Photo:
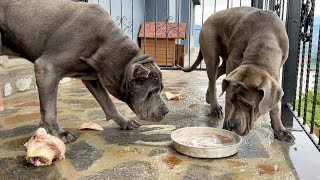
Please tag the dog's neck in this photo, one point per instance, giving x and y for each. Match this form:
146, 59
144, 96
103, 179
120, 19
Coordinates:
262, 57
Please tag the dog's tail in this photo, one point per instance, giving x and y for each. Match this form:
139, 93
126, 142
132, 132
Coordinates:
194, 65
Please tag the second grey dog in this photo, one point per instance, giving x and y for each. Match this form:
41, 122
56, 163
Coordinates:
253, 45
68, 39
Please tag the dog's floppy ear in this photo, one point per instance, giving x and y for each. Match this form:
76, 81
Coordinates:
271, 94
225, 85
226, 81
139, 71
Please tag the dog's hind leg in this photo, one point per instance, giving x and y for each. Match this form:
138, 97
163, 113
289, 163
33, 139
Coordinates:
221, 71
47, 80
211, 58
103, 98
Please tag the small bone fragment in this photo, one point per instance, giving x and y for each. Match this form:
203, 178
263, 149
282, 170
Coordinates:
43, 148
91, 125
171, 96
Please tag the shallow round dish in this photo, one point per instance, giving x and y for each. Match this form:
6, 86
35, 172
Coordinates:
205, 142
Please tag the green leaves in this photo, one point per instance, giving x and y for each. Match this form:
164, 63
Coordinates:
309, 108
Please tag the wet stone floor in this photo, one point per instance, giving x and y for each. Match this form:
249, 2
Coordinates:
144, 153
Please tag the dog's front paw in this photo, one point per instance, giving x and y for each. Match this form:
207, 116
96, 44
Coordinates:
129, 124
284, 135
67, 136
216, 112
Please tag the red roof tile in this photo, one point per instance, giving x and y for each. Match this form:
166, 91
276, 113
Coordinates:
174, 30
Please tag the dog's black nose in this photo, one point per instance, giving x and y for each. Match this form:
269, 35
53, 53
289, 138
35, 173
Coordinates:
225, 126
165, 110
232, 124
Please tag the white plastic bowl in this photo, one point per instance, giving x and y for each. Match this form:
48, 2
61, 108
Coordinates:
205, 142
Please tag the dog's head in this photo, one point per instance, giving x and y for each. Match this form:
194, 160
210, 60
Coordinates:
141, 88
139, 85
250, 92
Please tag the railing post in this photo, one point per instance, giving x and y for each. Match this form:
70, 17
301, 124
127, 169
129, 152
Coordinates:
257, 4
272, 5
0, 44
289, 80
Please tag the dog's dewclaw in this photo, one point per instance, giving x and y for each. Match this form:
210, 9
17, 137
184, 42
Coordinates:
43, 148
172, 96
91, 125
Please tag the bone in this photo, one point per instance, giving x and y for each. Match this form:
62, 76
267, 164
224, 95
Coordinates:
91, 125
43, 148
172, 96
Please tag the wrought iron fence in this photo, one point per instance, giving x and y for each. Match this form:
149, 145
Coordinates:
169, 31
306, 99
301, 70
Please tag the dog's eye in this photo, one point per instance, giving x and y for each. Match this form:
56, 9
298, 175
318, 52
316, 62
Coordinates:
246, 104
155, 90
140, 80
243, 102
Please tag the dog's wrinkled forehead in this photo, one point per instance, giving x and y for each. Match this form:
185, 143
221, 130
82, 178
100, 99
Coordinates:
155, 77
142, 74
248, 93
155, 71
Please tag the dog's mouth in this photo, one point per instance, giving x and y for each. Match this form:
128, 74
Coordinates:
244, 133
240, 131
156, 117
152, 116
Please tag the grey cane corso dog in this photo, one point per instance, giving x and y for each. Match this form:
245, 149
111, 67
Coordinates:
68, 39
253, 45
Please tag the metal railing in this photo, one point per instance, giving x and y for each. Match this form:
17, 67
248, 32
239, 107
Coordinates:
303, 71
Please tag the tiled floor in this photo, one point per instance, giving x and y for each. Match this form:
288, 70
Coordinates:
146, 153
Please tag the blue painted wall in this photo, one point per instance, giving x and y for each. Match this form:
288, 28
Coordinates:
154, 10
188, 16
197, 29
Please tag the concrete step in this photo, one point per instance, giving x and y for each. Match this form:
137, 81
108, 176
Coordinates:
6, 61
17, 75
